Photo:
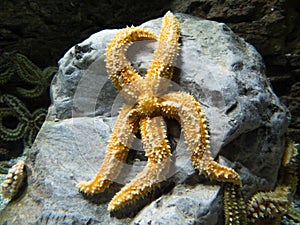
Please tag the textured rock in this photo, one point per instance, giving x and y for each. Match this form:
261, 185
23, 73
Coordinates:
292, 101
265, 24
247, 125
271, 26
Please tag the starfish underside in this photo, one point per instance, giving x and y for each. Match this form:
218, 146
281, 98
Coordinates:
145, 111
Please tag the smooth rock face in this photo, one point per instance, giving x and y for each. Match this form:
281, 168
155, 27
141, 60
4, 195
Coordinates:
225, 74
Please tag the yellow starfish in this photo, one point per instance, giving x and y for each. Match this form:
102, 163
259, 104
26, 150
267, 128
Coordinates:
13, 181
265, 207
269, 207
146, 114
234, 205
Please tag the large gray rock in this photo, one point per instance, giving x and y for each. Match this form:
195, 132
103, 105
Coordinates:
225, 74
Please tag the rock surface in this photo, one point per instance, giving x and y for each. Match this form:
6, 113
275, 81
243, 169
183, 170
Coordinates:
224, 73
271, 26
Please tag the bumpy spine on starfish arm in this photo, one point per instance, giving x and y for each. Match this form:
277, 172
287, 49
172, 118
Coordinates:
17, 110
166, 52
119, 69
234, 205
33, 75
15, 104
7, 68
122, 74
186, 109
268, 205
156, 145
35, 123
273, 204
10, 134
28, 123
294, 213
13, 180
116, 154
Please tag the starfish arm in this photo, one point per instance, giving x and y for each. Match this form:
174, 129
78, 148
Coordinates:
118, 67
269, 204
116, 153
13, 181
41, 82
32, 93
48, 74
166, 52
234, 205
274, 204
156, 145
7, 67
27, 70
187, 111
11, 134
38, 117
17, 106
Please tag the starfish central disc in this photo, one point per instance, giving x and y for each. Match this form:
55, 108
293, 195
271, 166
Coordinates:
147, 105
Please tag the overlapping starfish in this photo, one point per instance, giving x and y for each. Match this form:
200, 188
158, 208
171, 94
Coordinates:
147, 107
